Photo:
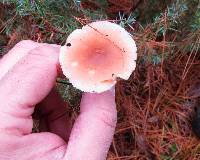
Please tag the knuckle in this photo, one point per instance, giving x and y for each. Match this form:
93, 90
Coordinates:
24, 43
109, 118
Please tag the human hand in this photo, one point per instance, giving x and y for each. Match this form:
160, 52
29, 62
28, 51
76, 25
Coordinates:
27, 77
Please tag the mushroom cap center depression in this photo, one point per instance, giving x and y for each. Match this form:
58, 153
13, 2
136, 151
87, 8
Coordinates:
93, 57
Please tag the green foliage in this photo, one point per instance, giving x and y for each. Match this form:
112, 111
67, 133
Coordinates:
127, 22
55, 13
176, 10
173, 148
195, 25
154, 58
26, 7
172, 17
68, 92
170, 154
150, 9
95, 15
165, 157
77, 3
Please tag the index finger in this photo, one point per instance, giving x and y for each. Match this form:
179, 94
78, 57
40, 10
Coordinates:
25, 85
12, 57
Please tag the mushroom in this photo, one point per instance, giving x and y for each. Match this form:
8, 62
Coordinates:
96, 55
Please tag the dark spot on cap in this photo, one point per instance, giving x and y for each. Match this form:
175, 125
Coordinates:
106, 35
68, 44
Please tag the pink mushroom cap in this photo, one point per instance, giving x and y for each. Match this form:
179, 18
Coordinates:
96, 55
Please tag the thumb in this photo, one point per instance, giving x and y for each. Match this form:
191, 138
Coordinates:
93, 131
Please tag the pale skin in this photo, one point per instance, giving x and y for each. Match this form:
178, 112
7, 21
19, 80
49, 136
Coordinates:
27, 77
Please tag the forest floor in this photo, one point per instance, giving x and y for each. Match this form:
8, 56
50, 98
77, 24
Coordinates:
159, 106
